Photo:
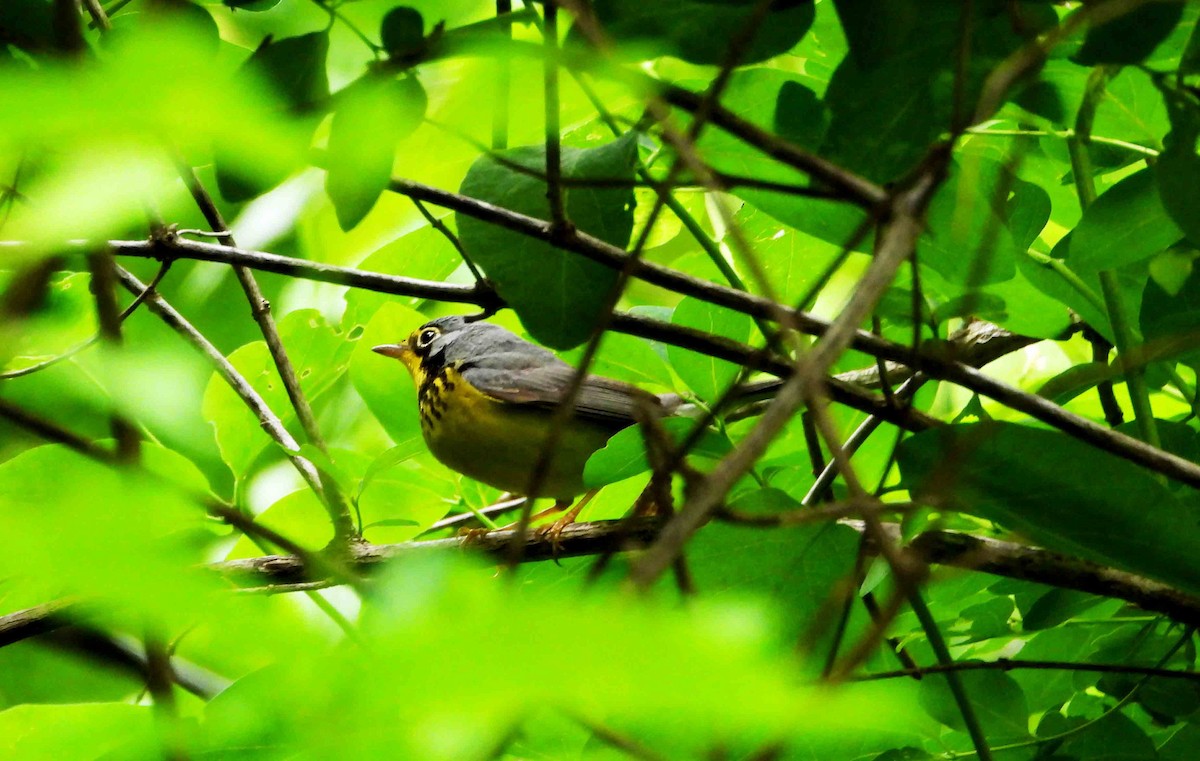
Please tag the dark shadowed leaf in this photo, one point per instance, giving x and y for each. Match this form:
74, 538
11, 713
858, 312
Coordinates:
1130, 37
557, 294
402, 31
1127, 519
698, 31
996, 697
1127, 223
296, 67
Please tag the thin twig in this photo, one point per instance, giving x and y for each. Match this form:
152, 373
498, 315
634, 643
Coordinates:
108, 317
269, 421
449, 235
335, 502
1017, 664
554, 194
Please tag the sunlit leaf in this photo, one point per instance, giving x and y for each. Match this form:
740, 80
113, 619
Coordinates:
85, 730
373, 114
706, 376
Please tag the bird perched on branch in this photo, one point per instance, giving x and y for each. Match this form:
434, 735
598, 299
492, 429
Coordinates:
487, 400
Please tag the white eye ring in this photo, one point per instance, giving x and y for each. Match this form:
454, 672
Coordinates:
426, 337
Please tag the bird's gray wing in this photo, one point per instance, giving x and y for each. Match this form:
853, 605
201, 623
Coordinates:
601, 400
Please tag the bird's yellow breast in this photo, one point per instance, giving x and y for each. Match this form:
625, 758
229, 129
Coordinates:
499, 442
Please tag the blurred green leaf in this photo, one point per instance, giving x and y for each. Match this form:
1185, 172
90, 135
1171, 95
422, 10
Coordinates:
641, 660
296, 67
373, 114
83, 731
132, 540
558, 295
706, 376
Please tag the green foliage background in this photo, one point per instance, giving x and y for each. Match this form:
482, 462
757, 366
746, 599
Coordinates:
1067, 212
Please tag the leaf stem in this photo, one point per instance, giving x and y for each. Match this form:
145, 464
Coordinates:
953, 680
1067, 134
1123, 332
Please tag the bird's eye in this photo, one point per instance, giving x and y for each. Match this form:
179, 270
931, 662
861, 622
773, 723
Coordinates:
426, 337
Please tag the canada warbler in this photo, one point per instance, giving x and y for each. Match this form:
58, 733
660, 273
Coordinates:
487, 400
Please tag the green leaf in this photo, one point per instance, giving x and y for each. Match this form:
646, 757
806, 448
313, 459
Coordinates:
424, 254
699, 32
125, 539
430, 610
319, 355
968, 242
796, 567
791, 260
624, 456
295, 66
1178, 174
1129, 38
558, 295
382, 382
402, 31
252, 5
627, 358
1027, 211
1127, 519
775, 99
1126, 224
706, 376
1172, 322
400, 453
407, 498
300, 516
83, 731
996, 697
1115, 737
1183, 745
373, 114
1057, 606
1049, 689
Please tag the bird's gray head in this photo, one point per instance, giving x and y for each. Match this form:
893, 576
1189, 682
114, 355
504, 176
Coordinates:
456, 338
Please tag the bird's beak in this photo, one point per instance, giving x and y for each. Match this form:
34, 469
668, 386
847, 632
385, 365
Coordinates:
397, 351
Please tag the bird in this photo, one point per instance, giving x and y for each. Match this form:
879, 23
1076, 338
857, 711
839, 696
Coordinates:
487, 400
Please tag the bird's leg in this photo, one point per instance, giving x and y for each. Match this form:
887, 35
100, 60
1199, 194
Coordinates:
554, 531
558, 507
